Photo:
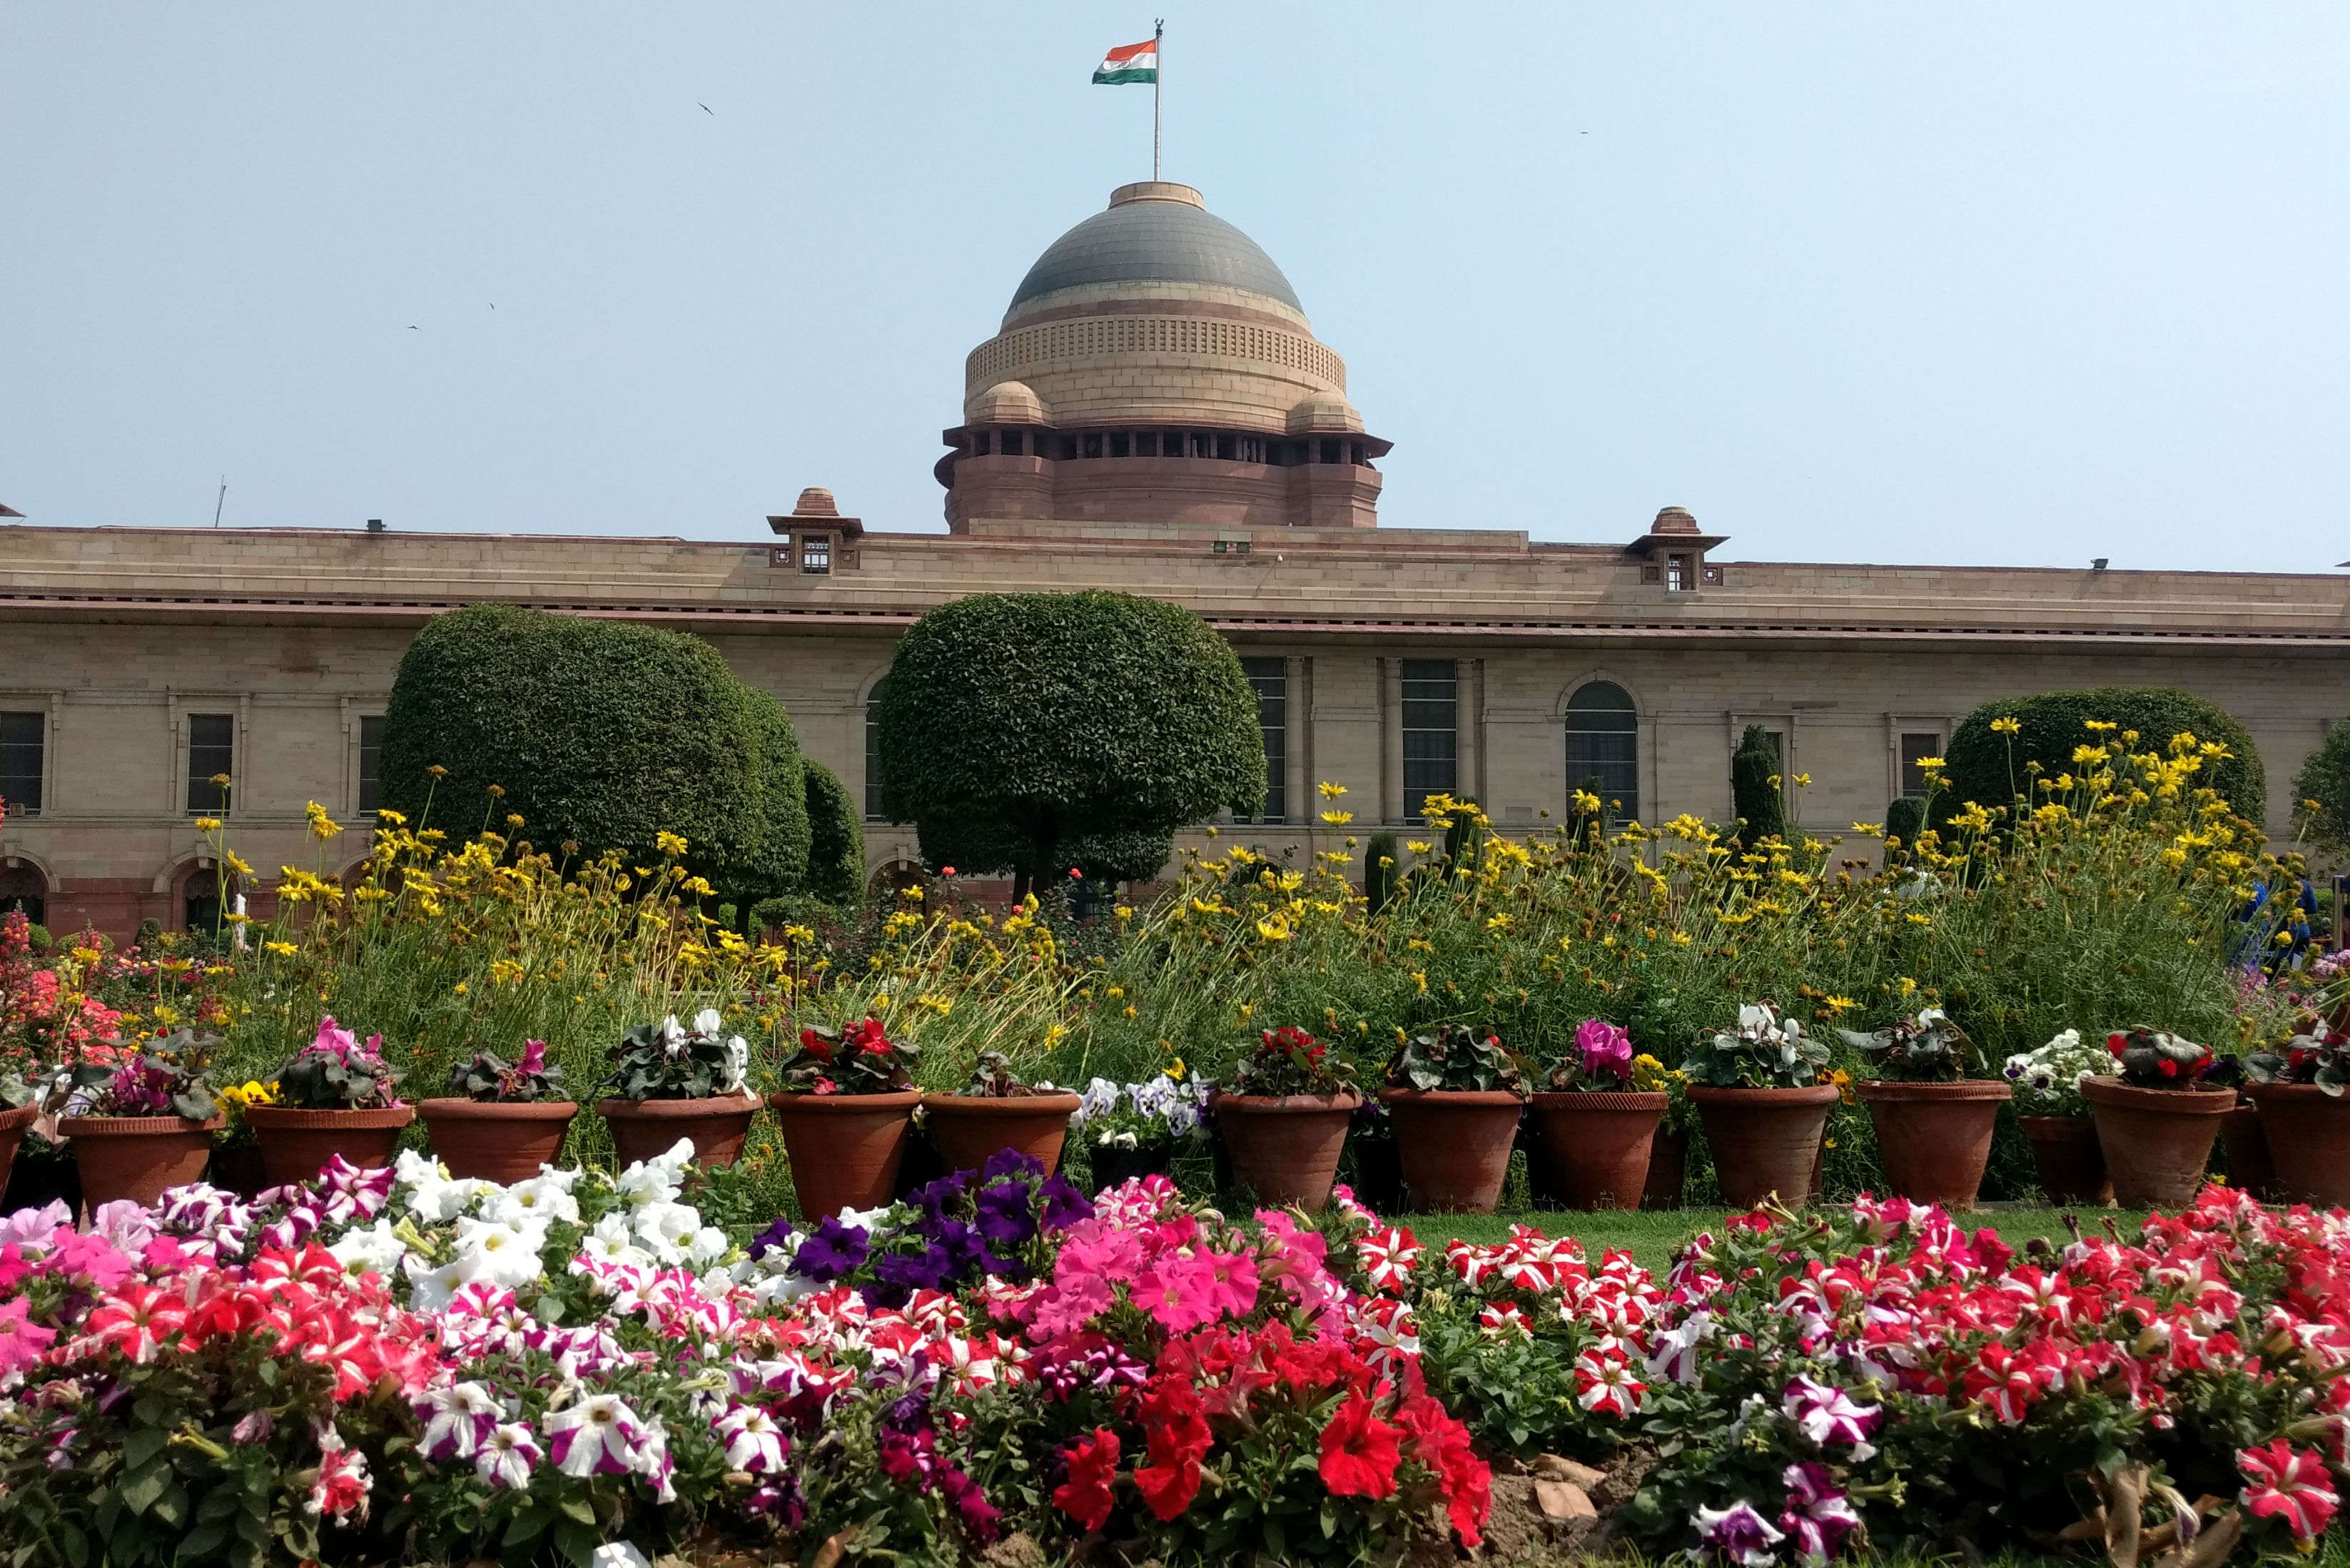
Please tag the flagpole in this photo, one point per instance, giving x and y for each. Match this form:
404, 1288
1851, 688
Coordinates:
1158, 84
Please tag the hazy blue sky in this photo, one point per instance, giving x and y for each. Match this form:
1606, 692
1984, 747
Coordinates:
2017, 283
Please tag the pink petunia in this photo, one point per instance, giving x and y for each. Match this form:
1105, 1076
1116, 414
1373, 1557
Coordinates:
21, 1339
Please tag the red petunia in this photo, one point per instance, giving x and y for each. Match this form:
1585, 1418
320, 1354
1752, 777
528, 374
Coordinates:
2293, 1486
1093, 1466
1170, 1411
1359, 1452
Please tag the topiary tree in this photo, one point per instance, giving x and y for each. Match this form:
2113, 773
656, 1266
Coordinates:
2320, 790
1757, 792
1989, 767
1018, 731
836, 868
602, 733
1904, 817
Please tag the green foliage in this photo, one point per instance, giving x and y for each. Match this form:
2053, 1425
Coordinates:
601, 734
1289, 1061
1757, 790
1988, 768
1464, 839
1904, 817
2322, 790
669, 1061
529, 1081
337, 1072
835, 856
1454, 1058
1381, 859
1762, 1051
1015, 728
1121, 854
1926, 1049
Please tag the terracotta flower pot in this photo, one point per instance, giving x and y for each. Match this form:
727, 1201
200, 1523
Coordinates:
1114, 1167
646, 1129
2072, 1163
138, 1158
1285, 1147
1935, 1138
2308, 1137
12, 1133
1592, 1151
1667, 1169
967, 1129
2243, 1134
1455, 1145
297, 1143
1765, 1142
497, 1141
2157, 1141
844, 1148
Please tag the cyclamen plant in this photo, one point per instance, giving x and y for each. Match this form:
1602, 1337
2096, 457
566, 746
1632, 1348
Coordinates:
858, 1059
992, 1078
675, 1063
529, 1081
1926, 1049
1603, 1061
1455, 1058
1289, 1061
1763, 1051
2315, 1055
337, 1072
2048, 1080
2154, 1059
171, 1076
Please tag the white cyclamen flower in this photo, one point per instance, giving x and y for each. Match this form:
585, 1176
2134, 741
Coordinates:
708, 1023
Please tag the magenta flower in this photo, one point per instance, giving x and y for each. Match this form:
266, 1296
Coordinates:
1176, 1292
1818, 1515
21, 1342
1605, 1050
1737, 1533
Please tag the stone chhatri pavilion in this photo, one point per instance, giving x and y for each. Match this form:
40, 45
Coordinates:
1154, 416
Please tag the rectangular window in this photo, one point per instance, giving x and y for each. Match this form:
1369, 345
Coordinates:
21, 735
1119, 444
1014, 444
370, 750
979, 444
815, 554
1431, 732
1093, 446
1916, 746
874, 811
1270, 677
211, 753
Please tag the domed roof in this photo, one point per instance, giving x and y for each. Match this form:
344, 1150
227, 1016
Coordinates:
1324, 413
1005, 403
1156, 232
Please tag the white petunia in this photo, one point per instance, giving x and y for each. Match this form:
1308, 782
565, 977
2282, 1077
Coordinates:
506, 1459
430, 1289
707, 1246
671, 1224
534, 1201
371, 1249
501, 1253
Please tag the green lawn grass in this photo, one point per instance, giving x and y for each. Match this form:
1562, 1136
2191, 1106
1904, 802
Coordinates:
1654, 1236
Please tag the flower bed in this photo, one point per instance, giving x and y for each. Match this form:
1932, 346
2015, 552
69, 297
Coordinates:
395, 1366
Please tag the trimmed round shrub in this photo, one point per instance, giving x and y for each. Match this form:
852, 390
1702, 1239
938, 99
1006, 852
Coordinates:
2320, 790
1988, 768
836, 856
602, 734
1904, 817
1016, 730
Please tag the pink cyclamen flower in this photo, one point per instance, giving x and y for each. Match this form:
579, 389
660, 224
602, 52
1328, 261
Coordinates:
1603, 1048
2289, 1484
1737, 1533
507, 1456
598, 1436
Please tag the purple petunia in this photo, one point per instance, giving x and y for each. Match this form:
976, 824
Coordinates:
1009, 1161
775, 1235
832, 1252
1064, 1205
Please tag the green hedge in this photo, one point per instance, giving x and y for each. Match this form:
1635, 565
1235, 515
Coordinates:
1757, 789
1988, 768
836, 862
602, 734
1017, 731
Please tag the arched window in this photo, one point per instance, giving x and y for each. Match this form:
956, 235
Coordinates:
1602, 747
24, 890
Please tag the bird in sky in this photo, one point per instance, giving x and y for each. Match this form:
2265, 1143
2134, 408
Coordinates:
705, 109
411, 326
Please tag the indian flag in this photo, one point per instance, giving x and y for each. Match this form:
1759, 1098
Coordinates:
1129, 63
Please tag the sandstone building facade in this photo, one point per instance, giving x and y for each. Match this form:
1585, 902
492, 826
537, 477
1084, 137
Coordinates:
1154, 416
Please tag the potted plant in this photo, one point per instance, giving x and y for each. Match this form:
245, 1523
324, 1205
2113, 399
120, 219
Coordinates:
334, 1097
1596, 1124
236, 1151
20, 1105
1933, 1122
996, 1110
2156, 1117
1283, 1117
1455, 1096
2055, 1118
846, 1106
1668, 1150
139, 1120
2297, 1087
501, 1122
668, 1082
1130, 1130
1757, 1092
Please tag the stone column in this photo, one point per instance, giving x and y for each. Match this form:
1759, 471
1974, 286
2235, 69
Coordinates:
1392, 801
